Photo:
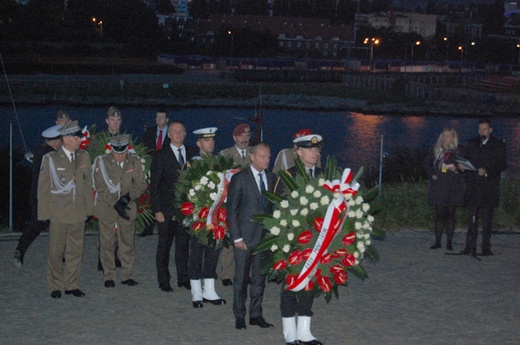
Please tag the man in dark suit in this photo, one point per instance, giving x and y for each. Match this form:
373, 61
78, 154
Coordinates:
155, 137
308, 150
245, 200
482, 195
166, 166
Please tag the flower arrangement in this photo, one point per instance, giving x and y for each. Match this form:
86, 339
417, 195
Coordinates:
320, 229
98, 145
200, 197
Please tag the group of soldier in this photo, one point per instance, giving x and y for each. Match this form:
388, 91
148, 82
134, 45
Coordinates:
62, 199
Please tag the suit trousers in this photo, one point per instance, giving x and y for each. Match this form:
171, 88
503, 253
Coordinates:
292, 303
486, 213
30, 233
109, 238
245, 263
168, 230
203, 260
226, 261
65, 241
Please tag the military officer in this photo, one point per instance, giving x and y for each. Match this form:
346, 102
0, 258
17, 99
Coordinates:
202, 263
240, 154
286, 157
65, 198
119, 181
62, 117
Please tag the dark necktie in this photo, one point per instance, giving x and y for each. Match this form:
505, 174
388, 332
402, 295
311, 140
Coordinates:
72, 157
181, 158
262, 188
158, 146
243, 154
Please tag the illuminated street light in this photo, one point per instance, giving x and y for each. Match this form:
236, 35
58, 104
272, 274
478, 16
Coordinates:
372, 41
417, 43
232, 42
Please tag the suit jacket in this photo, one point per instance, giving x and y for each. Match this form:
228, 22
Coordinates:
482, 190
164, 174
243, 201
74, 205
237, 158
131, 178
150, 138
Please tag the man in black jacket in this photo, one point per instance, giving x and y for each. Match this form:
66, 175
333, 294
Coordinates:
482, 195
164, 174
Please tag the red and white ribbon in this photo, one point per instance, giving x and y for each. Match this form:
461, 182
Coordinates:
222, 191
332, 224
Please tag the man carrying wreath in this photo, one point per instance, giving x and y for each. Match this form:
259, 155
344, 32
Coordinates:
291, 303
202, 262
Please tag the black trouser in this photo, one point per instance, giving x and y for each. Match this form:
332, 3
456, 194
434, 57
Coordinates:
444, 219
30, 233
292, 303
167, 231
203, 260
487, 217
246, 262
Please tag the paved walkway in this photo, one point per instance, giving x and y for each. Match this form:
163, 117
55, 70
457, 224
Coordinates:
413, 296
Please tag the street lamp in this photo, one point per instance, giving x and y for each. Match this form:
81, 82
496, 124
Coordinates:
447, 46
99, 24
518, 47
417, 43
232, 42
372, 41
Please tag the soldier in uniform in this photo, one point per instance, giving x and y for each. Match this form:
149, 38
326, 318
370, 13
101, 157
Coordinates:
299, 331
240, 154
52, 138
203, 260
286, 157
62, 118
65, 198
119, 181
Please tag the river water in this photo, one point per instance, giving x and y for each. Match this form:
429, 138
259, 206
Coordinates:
353, 138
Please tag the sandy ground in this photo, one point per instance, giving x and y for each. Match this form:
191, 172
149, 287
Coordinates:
414, 295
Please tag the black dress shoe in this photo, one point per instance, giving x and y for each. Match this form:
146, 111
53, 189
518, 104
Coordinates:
467, 251
219, 301
227, 282
435, 246
296, 342
240, 323
166, 288
56, 294
75, 293
259, 321
449, 246
129, 282
18, 259
312, 342
109, 283
187, 285
486, 252
198, 304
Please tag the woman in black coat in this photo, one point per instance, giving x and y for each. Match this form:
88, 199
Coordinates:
446, 190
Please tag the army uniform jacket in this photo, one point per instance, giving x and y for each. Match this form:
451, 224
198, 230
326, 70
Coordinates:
65, 187
286, 159
237, 158
128, 179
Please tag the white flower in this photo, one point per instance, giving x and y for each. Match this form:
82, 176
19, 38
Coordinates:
304, 211
211, 185
361, 247
213, 196
274, 247
351, 203
284, 204
283, 222
359, 235
275, 230
290, 236
366, 236
316, 194
336, 195
359, 200
357, 225
209, 173
309, 189
286, 248
324, 200
143, 160
107, 151
351, 214
192, 192
370, 218
294, 194
204, 180
293, 212
276, 214
142, 166
359, 214
366, 207
356, 255
220, 175
368, 242
366, 225
304, 201
321, 181
348, 197
295, 223
313, 206
197, 187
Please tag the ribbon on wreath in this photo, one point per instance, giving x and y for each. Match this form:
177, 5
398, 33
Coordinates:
334, 219
222, 192
85, 139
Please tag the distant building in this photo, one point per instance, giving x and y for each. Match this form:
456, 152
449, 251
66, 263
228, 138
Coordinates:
421, 24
